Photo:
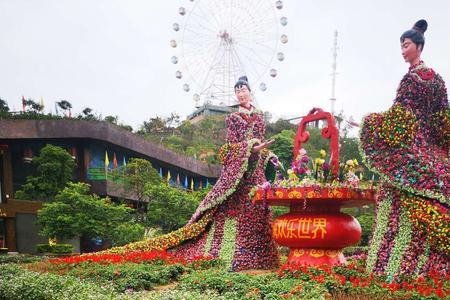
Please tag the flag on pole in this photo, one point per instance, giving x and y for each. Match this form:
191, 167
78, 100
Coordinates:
192, 183
186, 184
168, 176
70, 113
56, 108
160, 172
115, 164
106, 164
178, 179
207, 183
41, 102
23, 103
124, 161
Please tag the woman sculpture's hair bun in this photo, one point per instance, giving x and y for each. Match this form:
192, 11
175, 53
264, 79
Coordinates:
243, 80
421, 26
416, 34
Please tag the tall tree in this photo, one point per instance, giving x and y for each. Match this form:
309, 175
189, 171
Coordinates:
54, 166
153, 126
136, 175
173, 121
170, 208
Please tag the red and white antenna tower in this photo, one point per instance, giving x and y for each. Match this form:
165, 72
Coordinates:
334, 73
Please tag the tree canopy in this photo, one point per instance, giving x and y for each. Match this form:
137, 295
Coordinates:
171, 208
75, 212
54, 167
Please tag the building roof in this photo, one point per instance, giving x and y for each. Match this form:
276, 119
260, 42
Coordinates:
222, 109
106, 132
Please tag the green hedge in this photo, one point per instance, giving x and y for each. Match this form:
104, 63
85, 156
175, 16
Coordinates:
56, 249
17, 282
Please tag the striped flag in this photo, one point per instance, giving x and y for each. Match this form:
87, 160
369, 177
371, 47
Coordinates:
192, 184
168, 176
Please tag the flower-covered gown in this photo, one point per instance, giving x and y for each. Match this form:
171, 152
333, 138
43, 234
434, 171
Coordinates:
408, 147
239, 231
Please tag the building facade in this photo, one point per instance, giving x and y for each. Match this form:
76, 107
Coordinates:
97, 148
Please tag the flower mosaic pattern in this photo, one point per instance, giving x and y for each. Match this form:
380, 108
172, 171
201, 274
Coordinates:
408, 146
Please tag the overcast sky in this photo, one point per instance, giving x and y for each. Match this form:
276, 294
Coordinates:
114, 55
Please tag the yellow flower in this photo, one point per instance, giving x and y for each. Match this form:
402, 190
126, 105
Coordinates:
323, 153
350, 163
319, 161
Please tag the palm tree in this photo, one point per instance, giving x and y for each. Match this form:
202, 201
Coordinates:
64, 105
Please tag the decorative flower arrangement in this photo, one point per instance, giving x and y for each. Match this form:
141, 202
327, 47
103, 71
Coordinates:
317, 173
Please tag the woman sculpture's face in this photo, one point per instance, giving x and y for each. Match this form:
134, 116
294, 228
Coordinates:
243, 95
410, 51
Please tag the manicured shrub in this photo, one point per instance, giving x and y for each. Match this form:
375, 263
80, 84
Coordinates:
62, 248
43, 248
56, 248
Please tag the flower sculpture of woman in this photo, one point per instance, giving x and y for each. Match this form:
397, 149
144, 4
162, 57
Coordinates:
240, 231
408, 147
227, 224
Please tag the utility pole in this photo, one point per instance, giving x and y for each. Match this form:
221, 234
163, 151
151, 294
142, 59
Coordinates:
334, 73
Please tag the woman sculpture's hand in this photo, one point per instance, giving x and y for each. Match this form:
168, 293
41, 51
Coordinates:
262, 145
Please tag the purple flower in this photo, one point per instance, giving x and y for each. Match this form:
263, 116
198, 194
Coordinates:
326, 166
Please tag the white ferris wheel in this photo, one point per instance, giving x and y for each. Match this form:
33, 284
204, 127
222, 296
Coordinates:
217, 41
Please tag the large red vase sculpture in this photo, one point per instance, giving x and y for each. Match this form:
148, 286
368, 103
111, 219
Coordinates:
315, 229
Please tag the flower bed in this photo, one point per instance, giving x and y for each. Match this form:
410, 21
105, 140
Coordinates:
132, 275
